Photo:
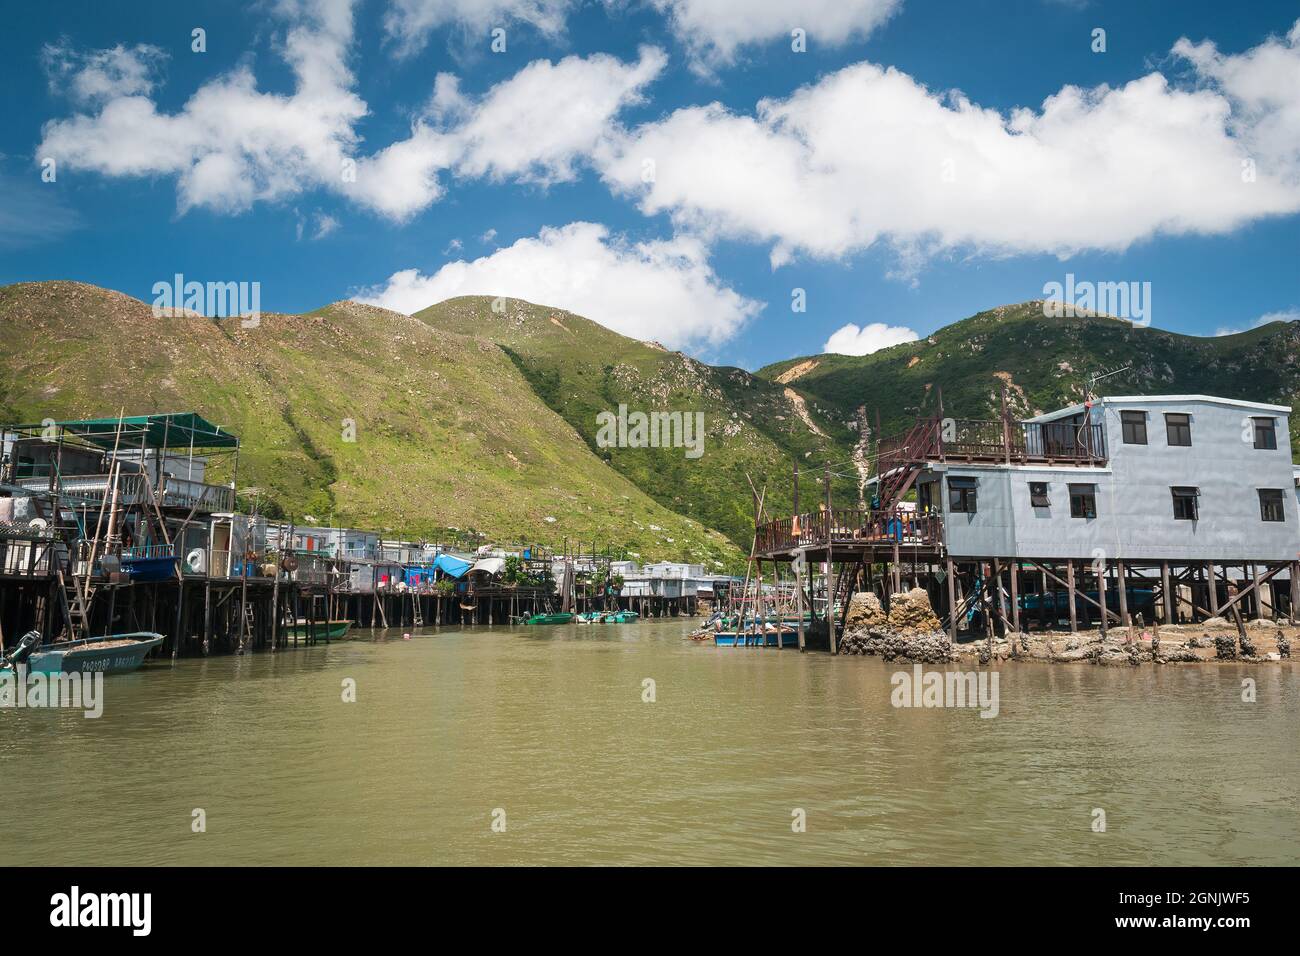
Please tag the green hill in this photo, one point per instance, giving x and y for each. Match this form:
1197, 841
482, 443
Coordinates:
469, 419
753, 427
449, 433
1044, 364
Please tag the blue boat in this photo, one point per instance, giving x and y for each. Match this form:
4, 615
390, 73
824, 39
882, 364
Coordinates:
108, 654
787, 638
152, 563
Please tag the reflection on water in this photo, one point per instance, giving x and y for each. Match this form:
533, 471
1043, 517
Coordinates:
548, 724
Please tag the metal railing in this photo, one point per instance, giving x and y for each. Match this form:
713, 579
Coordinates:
850, 526
135, 490
969, 439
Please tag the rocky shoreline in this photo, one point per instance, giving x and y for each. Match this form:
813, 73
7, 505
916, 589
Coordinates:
911, 632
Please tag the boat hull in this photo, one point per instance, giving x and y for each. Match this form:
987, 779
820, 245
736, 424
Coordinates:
322, 630
562, 618
150, 569
94, 654
761, 639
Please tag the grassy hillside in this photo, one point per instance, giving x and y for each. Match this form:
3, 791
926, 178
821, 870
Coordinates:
1044, 363
449, 433
752, 425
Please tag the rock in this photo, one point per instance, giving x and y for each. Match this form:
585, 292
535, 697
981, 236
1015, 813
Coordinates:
864, 612
1225, 647
1216, 622
1248, 648
910, 612
1283, 645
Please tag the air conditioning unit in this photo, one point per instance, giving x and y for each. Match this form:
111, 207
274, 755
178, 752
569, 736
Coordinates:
197, 561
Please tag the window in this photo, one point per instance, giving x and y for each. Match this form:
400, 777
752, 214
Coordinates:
1134, 427
1266, 435
1038, 494
1178, 429
961, 495
1270, 504
1185, 503
1083, 501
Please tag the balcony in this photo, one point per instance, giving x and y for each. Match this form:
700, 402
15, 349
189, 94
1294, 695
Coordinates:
852, 527
135, 490
984, 441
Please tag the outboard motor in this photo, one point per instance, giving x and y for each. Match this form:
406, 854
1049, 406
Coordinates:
22, 650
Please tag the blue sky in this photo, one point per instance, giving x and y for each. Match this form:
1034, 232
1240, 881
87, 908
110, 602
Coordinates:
523, 172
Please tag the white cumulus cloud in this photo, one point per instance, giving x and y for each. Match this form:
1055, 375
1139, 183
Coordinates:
95, 77
868, 154
663, 290
714, 31
232, 145
409, 22
863, 340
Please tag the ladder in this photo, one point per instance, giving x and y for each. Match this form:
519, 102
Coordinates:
76, 611
417, 618
250, 621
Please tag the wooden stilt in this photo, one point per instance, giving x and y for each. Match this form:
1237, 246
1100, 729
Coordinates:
1101, 595
1074, 612
1123, 594
1015, 596
1167, 599
1214, 589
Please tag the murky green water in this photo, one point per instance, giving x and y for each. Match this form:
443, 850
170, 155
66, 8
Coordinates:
548, 724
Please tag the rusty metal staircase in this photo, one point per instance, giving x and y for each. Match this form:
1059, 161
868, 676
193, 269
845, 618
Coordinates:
900, 461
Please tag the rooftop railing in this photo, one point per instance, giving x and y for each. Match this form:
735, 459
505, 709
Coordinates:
975, 440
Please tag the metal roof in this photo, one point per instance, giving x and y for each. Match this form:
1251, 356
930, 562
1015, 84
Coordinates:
1160, 399
165, 430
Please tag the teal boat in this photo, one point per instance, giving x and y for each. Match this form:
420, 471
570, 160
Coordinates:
608, 617
108, 654
561, 618
320, 630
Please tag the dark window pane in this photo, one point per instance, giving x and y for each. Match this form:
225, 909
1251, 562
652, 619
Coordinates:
961, 495
1185, 503
1083, 501
1038, 494
1265, 433
1178, 429
1271, 506
1134, 427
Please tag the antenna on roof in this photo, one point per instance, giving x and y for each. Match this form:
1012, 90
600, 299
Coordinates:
1096, 377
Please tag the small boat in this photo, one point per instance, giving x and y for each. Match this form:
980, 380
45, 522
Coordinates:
607, 617
771, 637
109, 654
320, 630
563, 617
156, 567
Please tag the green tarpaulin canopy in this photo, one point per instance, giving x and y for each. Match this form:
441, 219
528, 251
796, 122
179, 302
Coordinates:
168, 430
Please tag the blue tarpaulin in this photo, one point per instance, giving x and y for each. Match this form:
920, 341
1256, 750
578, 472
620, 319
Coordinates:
452, 567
